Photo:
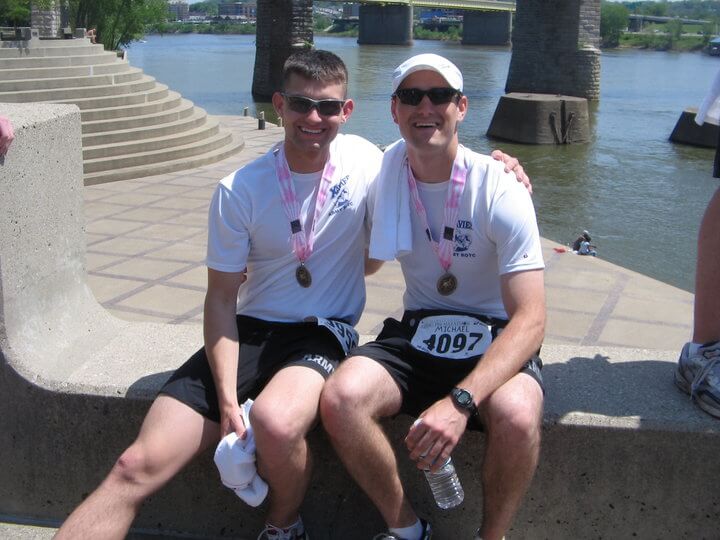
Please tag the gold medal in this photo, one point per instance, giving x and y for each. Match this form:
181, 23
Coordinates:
302, 274
447, 284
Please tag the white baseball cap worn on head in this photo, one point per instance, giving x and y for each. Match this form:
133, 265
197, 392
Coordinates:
432, 62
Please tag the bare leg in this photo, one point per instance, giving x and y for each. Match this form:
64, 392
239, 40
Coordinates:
707, 284
171, 435
281, 417
354, 399
512, 417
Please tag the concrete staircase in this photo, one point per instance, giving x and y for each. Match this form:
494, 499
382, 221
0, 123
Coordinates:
132, 125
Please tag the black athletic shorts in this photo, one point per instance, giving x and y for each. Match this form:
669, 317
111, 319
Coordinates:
424, 378
265, 348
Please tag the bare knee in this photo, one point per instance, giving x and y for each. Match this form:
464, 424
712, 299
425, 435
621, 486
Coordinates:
275, 426
132, 467
342, 399
516, 423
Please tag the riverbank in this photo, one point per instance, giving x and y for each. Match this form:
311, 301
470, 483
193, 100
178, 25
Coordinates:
324, 27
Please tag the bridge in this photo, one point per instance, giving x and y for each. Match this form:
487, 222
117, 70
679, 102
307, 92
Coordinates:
390, 22
478, 5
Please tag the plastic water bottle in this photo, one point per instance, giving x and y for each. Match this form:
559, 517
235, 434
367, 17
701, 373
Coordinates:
445, 486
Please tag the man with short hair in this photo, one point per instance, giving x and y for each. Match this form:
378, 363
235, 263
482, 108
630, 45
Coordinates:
280, 327
464, 354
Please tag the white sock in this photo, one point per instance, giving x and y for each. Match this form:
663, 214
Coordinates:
412, 532
298, 526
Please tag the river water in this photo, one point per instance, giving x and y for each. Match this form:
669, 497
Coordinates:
640, 196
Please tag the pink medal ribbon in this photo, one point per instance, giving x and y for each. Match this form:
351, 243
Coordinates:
447, 283
302, 244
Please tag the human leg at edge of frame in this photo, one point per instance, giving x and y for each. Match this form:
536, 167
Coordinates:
171, 435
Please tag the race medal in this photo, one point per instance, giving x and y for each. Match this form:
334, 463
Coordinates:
447, 284
302, 245
443, 248
302, 274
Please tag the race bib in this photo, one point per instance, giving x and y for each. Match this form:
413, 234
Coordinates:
452, 336
345, 334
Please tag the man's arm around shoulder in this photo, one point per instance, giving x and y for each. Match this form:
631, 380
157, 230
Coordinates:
221, 344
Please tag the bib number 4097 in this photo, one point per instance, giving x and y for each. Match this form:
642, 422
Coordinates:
444, 343
452, 336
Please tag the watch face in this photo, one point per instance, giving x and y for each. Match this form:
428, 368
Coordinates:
463, 398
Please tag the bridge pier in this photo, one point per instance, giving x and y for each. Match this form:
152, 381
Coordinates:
389, 24
486, 27
555, 61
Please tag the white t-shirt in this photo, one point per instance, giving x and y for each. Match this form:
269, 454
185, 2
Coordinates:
496, 233
247, 227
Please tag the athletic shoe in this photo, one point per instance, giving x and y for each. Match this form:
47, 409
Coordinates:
276, 533
426, 533
699, 376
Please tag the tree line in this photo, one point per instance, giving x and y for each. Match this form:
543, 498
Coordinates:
116, 22
614, 18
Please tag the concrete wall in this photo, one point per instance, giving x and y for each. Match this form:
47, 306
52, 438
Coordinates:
625, 455
486, 28
388, 24
555, 48
282, 27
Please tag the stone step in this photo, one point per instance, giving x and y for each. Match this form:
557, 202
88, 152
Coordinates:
207, 129
235, 146
171, 101
111, 66
24, 85
37, 52
162, 155
146, 96
197, 118
184, 109
56, 61
145, 82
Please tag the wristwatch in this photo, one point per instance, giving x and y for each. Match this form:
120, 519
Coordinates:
464, 400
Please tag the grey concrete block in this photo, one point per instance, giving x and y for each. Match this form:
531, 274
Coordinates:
541, 119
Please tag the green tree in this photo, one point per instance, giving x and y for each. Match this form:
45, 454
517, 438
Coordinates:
674, 29
118, 22
209, 7
15, 13
613, 21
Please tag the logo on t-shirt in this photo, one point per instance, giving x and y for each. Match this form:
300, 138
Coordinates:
339, 194
463, 239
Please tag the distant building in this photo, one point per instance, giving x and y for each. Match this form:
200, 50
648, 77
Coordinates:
178, 10
238, 10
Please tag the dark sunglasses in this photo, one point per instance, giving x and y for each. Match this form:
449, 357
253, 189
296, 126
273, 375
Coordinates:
438, 96
303, 105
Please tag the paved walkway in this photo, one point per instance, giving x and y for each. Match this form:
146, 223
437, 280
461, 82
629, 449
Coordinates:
146, 248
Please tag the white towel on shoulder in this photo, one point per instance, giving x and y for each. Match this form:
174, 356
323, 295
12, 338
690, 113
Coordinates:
235, 459
391, 234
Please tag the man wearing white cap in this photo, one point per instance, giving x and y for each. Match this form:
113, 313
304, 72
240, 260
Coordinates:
464, 354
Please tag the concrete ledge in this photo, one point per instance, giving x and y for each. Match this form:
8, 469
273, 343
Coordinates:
624, 455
